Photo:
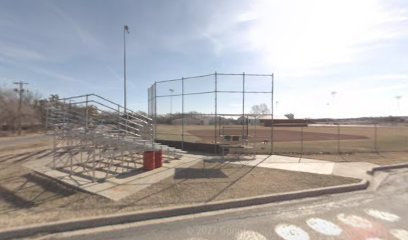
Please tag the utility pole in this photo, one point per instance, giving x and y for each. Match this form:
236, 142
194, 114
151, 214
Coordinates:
20, 90
171, 100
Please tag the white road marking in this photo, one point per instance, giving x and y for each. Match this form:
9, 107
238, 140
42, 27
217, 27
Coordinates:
386, 216
324, 227
291, 232
196, 238
354, 221
400, 234
250, 235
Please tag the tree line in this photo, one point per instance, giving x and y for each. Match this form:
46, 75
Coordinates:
31, 113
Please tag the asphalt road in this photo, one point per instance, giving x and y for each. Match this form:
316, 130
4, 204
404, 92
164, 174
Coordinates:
380, 214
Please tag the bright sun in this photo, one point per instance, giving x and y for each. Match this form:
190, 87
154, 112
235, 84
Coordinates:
302, 35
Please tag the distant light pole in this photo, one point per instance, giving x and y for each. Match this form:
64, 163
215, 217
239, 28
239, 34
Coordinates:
398, 98
20, 91
333, 93
125, 30
277, 103
171, 100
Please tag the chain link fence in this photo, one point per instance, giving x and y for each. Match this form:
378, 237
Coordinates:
210, 111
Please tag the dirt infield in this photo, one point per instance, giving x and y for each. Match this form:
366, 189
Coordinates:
278, 135
316, 139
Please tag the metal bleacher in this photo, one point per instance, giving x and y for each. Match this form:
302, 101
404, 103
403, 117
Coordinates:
96, 138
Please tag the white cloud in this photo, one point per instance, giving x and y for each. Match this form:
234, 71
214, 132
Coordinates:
19, 53
303, 37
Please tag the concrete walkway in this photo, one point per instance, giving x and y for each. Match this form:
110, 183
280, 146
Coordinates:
344, 169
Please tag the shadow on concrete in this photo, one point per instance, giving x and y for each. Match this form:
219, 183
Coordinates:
80, 174
49, 185
195, 173
130, 173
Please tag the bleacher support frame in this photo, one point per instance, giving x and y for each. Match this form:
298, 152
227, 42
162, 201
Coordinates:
96, 138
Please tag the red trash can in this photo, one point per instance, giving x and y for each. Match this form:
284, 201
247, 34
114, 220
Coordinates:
148, 160
158, 161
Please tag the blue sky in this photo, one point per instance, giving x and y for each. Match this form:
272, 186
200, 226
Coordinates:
358, 49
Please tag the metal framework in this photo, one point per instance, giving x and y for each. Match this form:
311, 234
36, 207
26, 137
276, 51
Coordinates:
96, 138
213, 86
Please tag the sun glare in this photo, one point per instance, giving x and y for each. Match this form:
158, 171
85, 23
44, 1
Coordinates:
314, 33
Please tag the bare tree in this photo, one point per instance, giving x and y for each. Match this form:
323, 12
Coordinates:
290, 116
260, 109
30, 109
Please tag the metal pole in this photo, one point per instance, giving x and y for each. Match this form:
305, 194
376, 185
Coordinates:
243, 108
155, 112
375, 138
86, 114
171, 101
301, 142
20, 91
271, 130
182, 113
125, 29
215, 113
46, 116
338, 138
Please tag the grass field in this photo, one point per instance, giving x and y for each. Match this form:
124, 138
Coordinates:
306, 140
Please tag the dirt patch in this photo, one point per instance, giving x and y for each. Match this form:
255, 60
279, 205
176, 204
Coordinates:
278, 135
382, 158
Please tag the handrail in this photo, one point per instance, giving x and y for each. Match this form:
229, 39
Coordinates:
110, 101
74, 114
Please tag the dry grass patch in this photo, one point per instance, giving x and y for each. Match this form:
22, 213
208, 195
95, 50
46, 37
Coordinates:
28, 198
382, 158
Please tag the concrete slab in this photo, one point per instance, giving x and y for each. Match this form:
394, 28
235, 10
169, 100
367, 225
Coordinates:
353, 169
344, 169
116, 188
291, 164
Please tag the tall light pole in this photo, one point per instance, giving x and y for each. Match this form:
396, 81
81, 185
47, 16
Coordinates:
20, 91
125, 30
171, 100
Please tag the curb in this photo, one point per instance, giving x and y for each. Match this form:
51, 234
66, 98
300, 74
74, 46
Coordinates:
387, 167
84, 223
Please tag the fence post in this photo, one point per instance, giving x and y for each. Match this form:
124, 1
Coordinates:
271, 130
301, 142
86, 114
243, 121
375, 138
182, 113
215, 114
338, 138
